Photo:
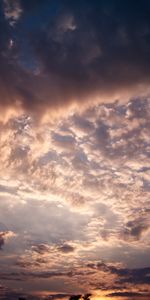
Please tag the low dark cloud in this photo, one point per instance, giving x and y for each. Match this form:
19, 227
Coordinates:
126, 282
124, 275
129, 294
12, 294
72, 52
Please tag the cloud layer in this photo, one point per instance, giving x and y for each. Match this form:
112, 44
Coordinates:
75, 195
74, 190
73, 52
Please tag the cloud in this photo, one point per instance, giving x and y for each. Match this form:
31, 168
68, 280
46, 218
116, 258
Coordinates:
90, 202
12, 11
7, 293
106, 278
66, 248
2, 239
75, 297
129, 294
124, 277
14, 294
45, 249
135, 229
74, 55
4, 236
41, 249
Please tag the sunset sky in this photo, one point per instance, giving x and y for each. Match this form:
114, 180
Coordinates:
75, 149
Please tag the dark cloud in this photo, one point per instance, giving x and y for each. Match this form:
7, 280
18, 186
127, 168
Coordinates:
12, 294
75, 297
82, 124
124, 279
41, 249
66, 248
58, 296
66, 51
3, 236
134, 229
21, 276
44, 249
129, 294
2, 240
136, 276
124, 275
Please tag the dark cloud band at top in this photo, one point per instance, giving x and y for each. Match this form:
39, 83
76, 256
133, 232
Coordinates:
67, 52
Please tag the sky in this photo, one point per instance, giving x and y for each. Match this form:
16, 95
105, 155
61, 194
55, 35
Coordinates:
74, 150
